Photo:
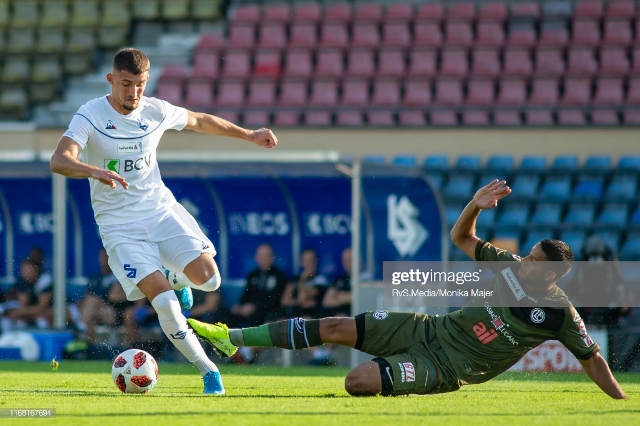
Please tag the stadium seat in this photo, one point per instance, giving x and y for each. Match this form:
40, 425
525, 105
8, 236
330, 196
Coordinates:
597, 165
256, 118
298, 63
146, 9
589, 9
374, 159
55, 13
417, 93
485, 62
50, 40
230, 93
453, 62
458, 34
365, 34
448, 92
426, 33
355, 92
544, 92
524, 186
572, 117
199, 95
391, 63
277, 13
500, 163
588, 190
605, 117
506, 117
433, 12
620, 9
174, 72
532, 164
452, 213
461, 11
581, 61
360, 63
629, 163
575, 239
170, 91
609, 91
324, 92
622, 188
458, 188
585, 32
579, 216
206, 10
553, 35
614, 61
293, 92
241, 36
633, 91
514, 215
85, 13
14, 102
635, 57
385, 92
303, 34
539, 117
534, 237
286, 118
266, 63
564, 165
396, 34
422, 62
475, 117
611, 238
556, 10
206, 65
617, 32
517, 62
480, 92
209, 42
512, 92
412, 118
380, 118
549, 62
262, 92
329, 63
272, 35
556, 189
522, 36
546, 214
493, 12
613, 217
306, 13
525, 11
630, 251
467, 164
236, 64
577, 91
634, 220
368, 12
249, 13
489, 33
399, 12
317, 118
406, 160
333, 34
435, 179
436, 163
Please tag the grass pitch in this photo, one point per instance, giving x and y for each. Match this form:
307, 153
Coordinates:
83, 393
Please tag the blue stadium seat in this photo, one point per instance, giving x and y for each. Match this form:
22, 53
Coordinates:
532, 164
452, 212
588, 190
500, 164
622, 188
436, 162
598, 164
613, 217
533, 238
514, 215
611, 238
556, 188
579, 216
634, 220
468, 164
406, 160
575, 239
373, 159
564, 165
630, 258
629, 163
459, 187
546, 214
435, 179
524, 187
486, 220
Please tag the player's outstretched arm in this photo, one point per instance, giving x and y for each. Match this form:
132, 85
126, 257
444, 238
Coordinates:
598, 370
65, 161
463, 233
212, 125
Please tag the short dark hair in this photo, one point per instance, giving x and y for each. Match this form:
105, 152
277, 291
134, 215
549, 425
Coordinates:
560, 254
131, 60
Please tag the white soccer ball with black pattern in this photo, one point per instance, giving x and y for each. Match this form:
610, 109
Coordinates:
135, 371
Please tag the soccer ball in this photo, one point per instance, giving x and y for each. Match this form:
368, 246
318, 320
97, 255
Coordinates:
134, 371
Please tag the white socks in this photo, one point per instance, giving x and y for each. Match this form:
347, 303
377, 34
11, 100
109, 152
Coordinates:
174, 325
178, 280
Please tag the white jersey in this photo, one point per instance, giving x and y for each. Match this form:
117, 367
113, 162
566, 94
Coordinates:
126, 144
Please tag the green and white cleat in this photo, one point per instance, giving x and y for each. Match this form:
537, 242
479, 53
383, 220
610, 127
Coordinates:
217, 335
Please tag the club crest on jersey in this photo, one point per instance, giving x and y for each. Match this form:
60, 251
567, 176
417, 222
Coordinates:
110, 125
143, 125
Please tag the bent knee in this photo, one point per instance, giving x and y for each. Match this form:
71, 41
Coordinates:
363, 380
212, 284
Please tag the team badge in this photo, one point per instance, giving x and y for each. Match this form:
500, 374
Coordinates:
380, 315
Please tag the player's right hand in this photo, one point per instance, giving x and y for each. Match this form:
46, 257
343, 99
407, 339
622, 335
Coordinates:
110, 178
488, 196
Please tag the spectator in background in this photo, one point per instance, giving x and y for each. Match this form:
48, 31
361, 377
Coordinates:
34, 297
104, 302
337, 300
260, 301
303, 295
600, 265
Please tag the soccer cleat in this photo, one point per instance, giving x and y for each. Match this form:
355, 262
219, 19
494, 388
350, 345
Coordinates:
217, 335
185, 297
213, 383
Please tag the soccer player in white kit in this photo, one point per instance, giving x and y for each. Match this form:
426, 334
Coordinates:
142, 226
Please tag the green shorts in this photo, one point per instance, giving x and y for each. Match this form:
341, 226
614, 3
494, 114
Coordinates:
407, 342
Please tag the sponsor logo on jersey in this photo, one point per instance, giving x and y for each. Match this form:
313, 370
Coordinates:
380, 315
112, 164
409, 371
513, 283
110, 125
582, 329
138, 164
180, 335
500, 325
483, 334
588, 340
537, 316
129, 147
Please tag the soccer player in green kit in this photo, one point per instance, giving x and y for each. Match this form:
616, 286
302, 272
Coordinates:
423, 354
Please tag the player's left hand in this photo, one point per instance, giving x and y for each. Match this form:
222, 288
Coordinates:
264, 137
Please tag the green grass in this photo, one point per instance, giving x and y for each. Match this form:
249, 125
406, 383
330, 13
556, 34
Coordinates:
82, 393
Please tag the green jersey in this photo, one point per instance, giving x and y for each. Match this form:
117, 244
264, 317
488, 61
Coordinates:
490, 334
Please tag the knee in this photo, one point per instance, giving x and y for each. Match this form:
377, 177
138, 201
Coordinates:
357, 383
212, 284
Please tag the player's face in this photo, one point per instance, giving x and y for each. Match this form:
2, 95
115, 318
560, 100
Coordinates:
264, 257
532, 267
127, 89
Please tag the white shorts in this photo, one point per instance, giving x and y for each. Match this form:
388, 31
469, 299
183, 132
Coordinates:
171, 239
